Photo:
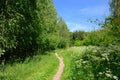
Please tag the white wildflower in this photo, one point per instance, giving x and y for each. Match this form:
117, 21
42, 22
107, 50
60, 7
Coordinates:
100, 73
108, 75
115, 77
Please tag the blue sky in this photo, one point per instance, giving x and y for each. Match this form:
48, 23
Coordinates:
77, 13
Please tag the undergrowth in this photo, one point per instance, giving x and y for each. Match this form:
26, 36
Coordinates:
40, 67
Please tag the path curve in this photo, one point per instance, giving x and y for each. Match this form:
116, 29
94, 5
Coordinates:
60, 69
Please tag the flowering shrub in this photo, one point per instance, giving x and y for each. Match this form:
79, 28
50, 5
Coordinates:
105, 62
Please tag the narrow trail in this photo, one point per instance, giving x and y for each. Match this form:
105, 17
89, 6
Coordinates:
60, 69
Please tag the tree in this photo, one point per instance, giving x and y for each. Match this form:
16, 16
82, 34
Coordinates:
63, 33
79, 35
18, 23
115, 8
48, 36
112, 22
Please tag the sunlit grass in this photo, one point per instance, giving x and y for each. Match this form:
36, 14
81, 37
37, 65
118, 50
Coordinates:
67, 56
41, 67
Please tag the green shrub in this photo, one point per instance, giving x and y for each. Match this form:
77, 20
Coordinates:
78, 43
104, 62
80, 70
97, 38
62, 44
96, 63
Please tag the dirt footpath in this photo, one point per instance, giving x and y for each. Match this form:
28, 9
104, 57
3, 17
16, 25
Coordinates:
60, 69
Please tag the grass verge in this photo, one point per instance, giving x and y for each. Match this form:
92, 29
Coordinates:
67, 56
41, 67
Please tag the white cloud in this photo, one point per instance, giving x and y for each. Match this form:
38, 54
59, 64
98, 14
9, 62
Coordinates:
75, 26
97, 10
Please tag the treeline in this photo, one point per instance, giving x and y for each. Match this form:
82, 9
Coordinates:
99, 37
101, 62
27, 26
108, 33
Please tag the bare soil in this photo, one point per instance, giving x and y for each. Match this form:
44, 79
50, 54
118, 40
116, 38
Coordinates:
60, 68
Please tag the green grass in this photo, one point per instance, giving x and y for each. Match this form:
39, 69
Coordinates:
67, 55
41, 67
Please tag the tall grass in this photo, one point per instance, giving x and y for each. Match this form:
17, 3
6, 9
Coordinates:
68, 55
41, 67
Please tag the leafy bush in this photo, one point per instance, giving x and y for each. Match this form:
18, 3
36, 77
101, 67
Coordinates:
104, 62
81, 70
100, 37
96, 63
62, 44
78, 43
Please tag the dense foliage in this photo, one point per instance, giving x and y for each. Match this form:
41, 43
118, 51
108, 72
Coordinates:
26, 26
18, 27
63, 33
78, 37
104, 62
79, 68
47, 16
98, 38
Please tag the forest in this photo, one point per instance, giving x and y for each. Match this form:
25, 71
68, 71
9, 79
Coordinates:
31, 32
